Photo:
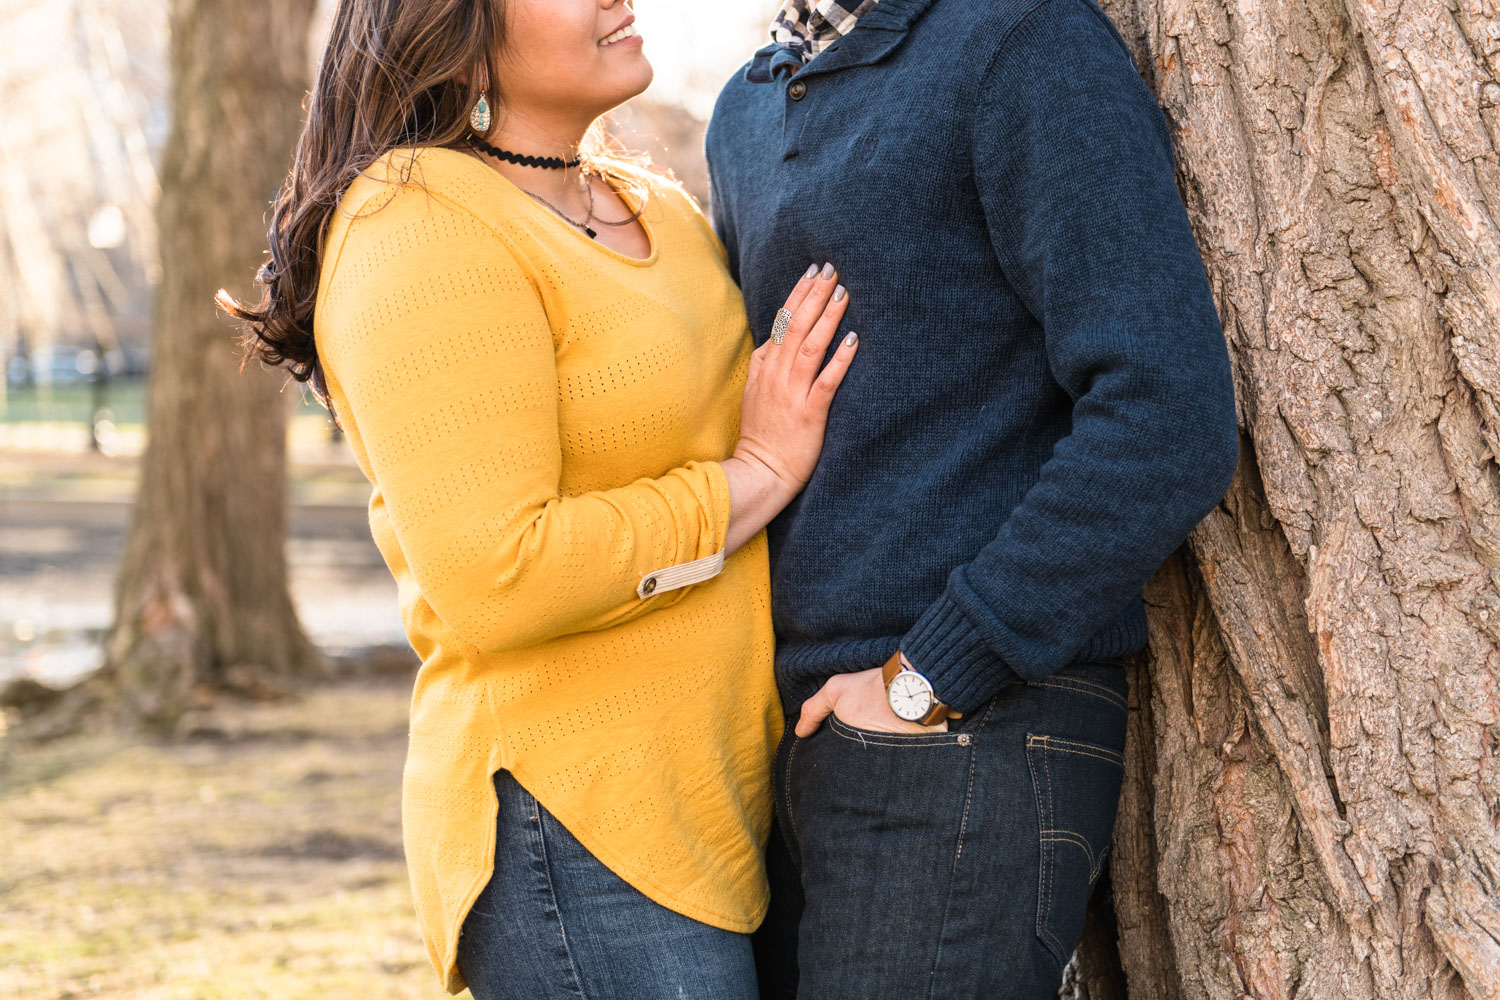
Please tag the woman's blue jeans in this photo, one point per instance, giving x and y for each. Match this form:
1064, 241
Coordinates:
554, 924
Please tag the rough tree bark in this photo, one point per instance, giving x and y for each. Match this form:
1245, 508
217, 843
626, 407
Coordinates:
202, 597
1313, 787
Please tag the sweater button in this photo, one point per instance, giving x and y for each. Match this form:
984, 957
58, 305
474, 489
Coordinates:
797, 90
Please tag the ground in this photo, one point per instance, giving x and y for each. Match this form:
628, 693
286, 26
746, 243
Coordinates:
259, 856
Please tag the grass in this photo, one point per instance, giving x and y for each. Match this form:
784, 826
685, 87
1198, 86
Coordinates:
123, 396
257, 857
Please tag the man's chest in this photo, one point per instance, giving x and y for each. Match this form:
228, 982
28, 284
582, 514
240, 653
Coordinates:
842, 152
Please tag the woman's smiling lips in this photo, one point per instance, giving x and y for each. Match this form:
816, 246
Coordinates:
625, 33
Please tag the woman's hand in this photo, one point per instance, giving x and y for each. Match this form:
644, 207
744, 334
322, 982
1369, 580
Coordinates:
785, 408
784, 412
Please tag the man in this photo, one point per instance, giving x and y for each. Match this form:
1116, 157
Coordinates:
1042, 410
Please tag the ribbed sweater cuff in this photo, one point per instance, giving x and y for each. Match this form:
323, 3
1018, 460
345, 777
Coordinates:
948, 650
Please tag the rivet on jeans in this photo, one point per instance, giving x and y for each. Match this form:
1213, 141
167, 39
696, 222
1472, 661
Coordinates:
963, 739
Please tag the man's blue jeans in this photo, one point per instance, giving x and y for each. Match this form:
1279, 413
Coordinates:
951, 865
553, 922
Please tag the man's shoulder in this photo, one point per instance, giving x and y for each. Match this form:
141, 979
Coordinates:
1065, 19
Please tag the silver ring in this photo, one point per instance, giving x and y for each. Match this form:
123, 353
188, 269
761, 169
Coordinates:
778, 329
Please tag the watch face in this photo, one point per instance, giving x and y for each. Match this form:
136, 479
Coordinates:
910, 696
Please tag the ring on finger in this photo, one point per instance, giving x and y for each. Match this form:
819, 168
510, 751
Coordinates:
779, 328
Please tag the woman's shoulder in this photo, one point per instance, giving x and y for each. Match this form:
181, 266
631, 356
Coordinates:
407, 222
413, 203
450, 177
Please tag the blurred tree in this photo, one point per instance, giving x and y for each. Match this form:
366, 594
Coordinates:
82, 86
1313, 777
202, 600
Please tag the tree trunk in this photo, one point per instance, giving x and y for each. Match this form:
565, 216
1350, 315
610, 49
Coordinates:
202, 598
1313, 786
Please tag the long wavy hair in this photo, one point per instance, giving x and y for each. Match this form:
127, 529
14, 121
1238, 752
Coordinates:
389, 78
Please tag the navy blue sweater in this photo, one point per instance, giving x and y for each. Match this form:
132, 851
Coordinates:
1042, 406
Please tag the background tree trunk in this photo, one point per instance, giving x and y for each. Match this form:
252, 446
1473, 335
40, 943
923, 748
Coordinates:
1313, 786
202, 597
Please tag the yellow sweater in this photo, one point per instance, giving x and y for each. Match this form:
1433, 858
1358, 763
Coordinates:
541, 419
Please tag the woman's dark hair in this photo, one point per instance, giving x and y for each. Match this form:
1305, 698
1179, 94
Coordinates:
389, 78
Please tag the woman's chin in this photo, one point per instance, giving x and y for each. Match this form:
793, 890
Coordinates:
648, 75
635, 84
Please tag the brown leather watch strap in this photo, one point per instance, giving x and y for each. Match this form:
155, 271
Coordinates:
939, 711
892, 668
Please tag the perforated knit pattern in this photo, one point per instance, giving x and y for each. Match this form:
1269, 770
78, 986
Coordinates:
542, 420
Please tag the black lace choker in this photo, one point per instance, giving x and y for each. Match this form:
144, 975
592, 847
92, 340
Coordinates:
545, 162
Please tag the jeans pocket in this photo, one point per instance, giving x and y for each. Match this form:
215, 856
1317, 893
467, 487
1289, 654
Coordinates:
881, 738
1077, 788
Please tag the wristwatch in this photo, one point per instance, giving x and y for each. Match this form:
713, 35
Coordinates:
911, 695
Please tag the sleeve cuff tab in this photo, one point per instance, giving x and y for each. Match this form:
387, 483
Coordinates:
681, 575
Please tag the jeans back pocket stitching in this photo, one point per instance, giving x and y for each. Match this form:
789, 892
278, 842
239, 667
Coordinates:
1081, 749
1074, 837
1044, 821
1048, 853
1072, 679
1060, 949
1080, 683
1107, 695
1042, 824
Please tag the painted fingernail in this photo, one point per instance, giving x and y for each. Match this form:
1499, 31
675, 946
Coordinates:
852, 339
827, 271
839, 293
811, 271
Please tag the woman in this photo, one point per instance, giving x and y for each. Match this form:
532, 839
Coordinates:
543, 367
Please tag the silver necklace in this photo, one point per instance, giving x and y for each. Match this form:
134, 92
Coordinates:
584, 225
593, 234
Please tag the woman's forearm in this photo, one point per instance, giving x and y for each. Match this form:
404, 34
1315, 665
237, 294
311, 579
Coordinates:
756, 494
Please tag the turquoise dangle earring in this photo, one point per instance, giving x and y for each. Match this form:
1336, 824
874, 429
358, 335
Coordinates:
479, 118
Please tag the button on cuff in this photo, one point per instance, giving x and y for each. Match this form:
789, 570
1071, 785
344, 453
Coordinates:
682, 575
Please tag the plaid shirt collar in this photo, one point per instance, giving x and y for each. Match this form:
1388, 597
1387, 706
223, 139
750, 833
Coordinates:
807, 27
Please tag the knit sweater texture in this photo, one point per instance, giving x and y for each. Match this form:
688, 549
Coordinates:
542, 420
1042, 407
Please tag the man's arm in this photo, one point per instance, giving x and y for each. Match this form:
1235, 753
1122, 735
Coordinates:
1075, 169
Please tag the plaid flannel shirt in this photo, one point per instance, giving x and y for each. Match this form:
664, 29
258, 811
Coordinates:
807, 27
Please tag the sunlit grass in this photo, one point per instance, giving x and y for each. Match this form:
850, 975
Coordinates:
258, 858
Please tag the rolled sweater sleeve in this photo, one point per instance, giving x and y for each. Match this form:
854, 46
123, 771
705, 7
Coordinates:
1075, 170
442, 365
